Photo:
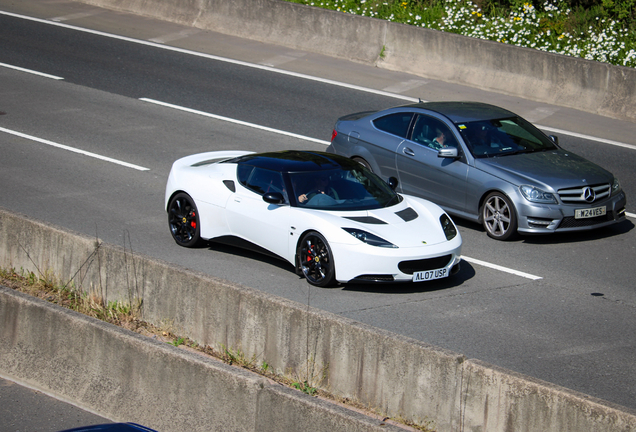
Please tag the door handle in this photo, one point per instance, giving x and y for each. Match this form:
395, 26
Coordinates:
407, 151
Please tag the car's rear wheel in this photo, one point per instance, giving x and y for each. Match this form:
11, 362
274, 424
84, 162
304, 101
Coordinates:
316, 260
363, 162
183, 220
499, 217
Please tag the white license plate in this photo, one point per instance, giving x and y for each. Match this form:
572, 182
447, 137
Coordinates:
430, 275
589, 213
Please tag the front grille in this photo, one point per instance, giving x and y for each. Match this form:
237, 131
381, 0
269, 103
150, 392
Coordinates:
577, 195
570, 222
410, 267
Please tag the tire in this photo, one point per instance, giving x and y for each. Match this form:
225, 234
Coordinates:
316, 260
183, 220
498, 216
363, 162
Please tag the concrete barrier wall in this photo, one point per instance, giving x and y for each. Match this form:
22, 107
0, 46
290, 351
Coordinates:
127, 377
532, 74
397, 375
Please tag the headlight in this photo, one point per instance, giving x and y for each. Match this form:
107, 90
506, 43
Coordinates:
448, 226
368, 238
537, 195
616, 186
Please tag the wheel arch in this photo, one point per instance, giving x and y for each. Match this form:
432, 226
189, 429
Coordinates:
485, 194
362, 153
172, 195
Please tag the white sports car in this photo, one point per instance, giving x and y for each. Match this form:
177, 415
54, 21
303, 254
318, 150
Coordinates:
325, 214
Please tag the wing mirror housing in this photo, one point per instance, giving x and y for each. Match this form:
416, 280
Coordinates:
554, 139
448, 152
274, 198
392, 182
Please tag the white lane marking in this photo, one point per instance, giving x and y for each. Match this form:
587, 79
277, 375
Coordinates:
77, 15
405, 86
587, 137
231, 120
175, 36
279, 71
31, 71
73, 149
213, 57
279, 60
501, 268
630, 215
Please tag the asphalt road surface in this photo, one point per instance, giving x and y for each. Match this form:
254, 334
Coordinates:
91, 123
26, 410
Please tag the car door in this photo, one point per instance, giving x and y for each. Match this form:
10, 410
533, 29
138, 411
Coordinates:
423, 173
253, 219
388, 132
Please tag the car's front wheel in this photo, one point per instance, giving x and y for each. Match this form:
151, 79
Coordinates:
183, 220
499, 217
316, 260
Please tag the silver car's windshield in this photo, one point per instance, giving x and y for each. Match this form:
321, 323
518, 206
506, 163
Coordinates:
342, 189
503, 137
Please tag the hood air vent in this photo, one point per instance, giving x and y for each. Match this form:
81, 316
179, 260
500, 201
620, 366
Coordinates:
366, 220
408, 214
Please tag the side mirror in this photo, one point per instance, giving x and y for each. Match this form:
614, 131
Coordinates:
392, 182
448, 152
554, 138
274, 198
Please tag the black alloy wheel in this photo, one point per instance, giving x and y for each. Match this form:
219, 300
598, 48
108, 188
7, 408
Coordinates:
499, 217
183, 220
316, 260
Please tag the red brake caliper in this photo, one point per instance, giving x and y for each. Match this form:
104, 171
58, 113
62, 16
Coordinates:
193, 224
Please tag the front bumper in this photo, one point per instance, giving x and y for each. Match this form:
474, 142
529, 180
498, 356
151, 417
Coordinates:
547, 219
365, 264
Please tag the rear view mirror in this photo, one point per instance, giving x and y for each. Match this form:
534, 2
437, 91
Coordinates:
274, 198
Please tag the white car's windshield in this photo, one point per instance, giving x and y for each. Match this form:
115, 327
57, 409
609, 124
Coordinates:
503, 137
338, 189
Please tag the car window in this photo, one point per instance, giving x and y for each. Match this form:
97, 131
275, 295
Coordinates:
261, 180
243, 172
503, 137
396, 124
354, 188
432, 133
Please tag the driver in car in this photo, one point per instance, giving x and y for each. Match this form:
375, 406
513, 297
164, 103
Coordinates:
320, 186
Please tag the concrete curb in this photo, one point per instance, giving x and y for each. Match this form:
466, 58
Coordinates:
532, 74
397, 375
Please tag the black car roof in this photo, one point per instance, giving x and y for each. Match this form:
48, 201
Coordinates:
295, 161
463, 112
